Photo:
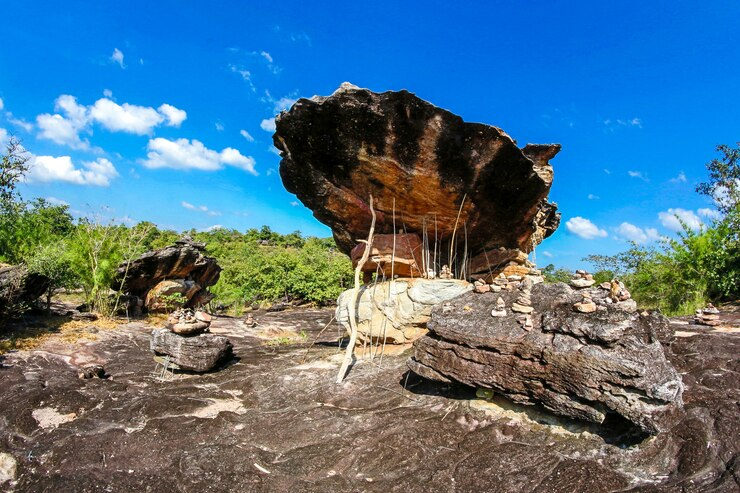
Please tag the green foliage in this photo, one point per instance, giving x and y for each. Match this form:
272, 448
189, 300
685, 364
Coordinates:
26, 226
53, 261
13, 165
553, 274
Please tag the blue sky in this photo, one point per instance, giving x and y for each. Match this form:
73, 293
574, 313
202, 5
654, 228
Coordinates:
161, 111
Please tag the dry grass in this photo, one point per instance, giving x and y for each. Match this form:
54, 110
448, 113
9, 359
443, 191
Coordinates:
55, 328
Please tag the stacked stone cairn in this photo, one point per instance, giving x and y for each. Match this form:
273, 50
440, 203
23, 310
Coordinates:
707, 316
185, 344
521, 279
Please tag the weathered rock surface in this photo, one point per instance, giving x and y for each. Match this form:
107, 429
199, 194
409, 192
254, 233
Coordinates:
17, 285
338, 150
379, 432
580, 365
197, 353
399, 255
183, 263
156, 297
399, 310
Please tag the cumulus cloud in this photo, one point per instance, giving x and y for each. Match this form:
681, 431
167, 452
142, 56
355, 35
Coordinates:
709, 213
593, 197
73, 118
681, 178
200, 208
174, 116
246, 135
583, 228
50, 169
634, 233
107, 93
117, 57
268, 125
639, 175
673, 217
186, 154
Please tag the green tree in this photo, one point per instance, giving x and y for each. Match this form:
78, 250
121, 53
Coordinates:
53, 261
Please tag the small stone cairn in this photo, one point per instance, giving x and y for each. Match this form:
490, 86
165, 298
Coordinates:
707, 316
185, 344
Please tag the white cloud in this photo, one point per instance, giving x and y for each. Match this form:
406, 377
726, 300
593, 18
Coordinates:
547, 254
201, 208
681, 178
56, 201
215, 227
638, 174
117, 57
634, 233
174, 116
294, 203
219, 126
48, 169
584, 228
129, 118
284, 103
266, 56
673, 217
607, 171
3, 139
629, 122
268, 125
65, 128
186, 154
107, 93
19, 122
709, 213
2, 105
246, 135
593, 197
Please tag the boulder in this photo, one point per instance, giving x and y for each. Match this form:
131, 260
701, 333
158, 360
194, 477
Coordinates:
579, 365
397, 310
19, 287
156, 297
196, 353
425, 167
398, 254
183, 263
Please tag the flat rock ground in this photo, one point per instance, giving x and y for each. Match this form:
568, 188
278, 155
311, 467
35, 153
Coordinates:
268, 422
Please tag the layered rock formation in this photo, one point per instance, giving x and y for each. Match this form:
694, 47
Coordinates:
584, 364
181, 268
425, 167
18, 286
397, 311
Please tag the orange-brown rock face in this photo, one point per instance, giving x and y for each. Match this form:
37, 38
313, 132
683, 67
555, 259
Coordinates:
399, 254
424, 166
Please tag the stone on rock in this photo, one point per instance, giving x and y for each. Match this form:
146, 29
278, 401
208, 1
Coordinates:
482, 288
196, 353
582, 283
156, 297
583, 366
397, 311
499, 310
187, 322
422, 162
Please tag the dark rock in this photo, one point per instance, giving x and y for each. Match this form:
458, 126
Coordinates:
197, 353
183, 261
87, 316
92, 371
580, 365
338, 150
19, 288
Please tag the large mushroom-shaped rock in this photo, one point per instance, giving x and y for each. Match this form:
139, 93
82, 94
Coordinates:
183, 267
424, 166
19, 287
583, 365
196, 353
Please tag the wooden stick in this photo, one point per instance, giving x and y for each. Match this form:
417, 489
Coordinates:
353, 299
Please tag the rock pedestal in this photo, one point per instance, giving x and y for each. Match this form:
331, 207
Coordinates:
397, 311
425, 167
581, 364
185, 341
